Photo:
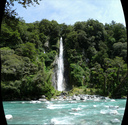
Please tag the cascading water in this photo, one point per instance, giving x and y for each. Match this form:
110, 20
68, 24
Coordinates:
60, 72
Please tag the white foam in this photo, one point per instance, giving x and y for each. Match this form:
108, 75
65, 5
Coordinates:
117, 107
47, 102
94, 106
72, 101
51, 107
35, 101
103, 111
76, 109
60, 120
106, 106
111, 112
55, 106
8, 116
77, 114
113, 100
55, 121
12, 102
121, 109
96, 99
40, 109
82, 105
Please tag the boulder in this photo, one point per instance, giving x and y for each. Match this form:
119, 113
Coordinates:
75, 97
115, 121
64, 97
52, 99
114, 112
113, 107
8, 117
43, 96
107, 98
42, 99
83, 97
102, 97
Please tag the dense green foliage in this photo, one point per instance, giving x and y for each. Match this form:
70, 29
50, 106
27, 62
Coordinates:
96, 54
27, 52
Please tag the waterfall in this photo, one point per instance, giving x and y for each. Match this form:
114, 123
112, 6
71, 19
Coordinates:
60, 72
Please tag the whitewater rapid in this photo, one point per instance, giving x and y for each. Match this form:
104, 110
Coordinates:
89, 112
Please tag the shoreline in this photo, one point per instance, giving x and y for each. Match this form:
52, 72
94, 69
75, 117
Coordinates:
78, 97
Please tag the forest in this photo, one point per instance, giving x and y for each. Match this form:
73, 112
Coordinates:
96, 56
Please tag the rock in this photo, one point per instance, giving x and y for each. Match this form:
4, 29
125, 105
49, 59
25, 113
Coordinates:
60, 98
114, 112
83, 97
115, 120
8, 117
52, 99
43, 96
68, 98
46, 44
54, 74
75, 97
42, 99
96, 99
107, 98
113, 107
102, 97
64, 97
88, 96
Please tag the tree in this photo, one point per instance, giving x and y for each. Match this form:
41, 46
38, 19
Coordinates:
28, 49
117, 71
80, 26
82, 39
77, 74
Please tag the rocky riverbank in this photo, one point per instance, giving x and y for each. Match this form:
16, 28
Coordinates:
83, 97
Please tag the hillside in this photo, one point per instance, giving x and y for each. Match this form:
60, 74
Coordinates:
95, 57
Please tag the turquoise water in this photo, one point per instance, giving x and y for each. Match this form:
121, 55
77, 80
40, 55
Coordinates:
90, 112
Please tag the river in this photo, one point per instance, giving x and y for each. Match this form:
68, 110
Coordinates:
89, 112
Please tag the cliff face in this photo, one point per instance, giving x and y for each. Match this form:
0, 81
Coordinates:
67, 86
66, 74
54, 75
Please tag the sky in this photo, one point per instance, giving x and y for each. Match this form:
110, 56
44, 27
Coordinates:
71, 11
